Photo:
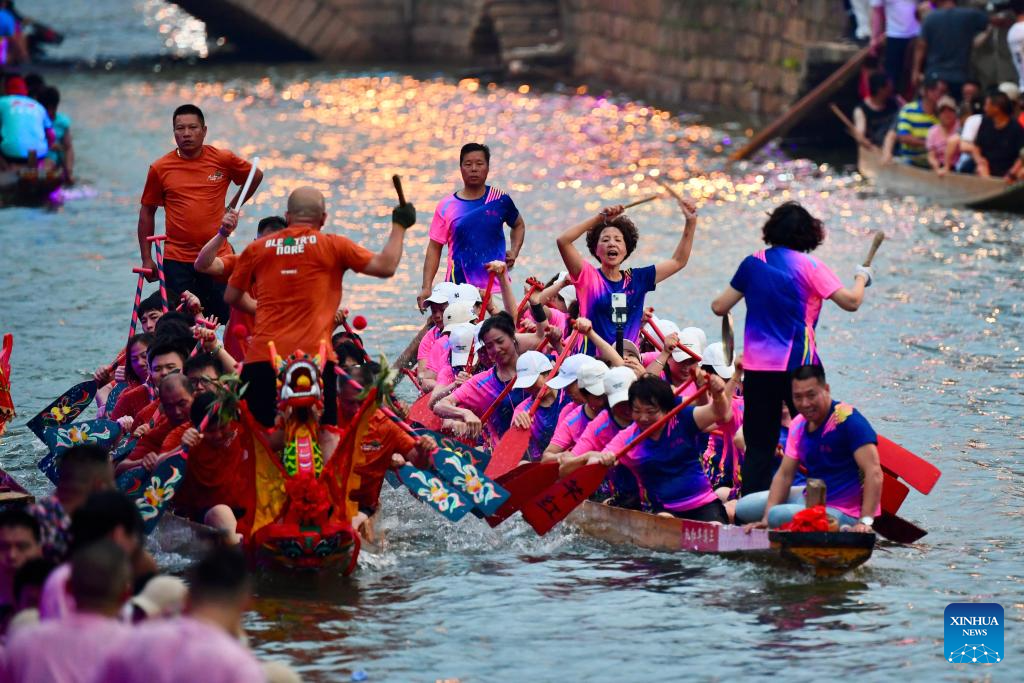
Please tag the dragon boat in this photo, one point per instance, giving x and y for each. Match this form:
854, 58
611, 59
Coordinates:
824, 553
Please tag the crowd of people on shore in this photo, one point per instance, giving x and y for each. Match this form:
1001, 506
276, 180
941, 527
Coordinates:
920, 103
34, 134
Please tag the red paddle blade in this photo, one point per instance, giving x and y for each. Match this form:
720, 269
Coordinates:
898, 529
894, 492
508, 452
420, 412
555, 502
522, 483
900, 462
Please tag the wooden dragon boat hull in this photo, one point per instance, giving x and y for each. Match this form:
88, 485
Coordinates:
825, 553
954, 189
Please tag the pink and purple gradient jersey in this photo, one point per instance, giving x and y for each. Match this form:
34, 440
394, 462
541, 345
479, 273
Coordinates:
827, 453
426, 344
543, 425
668, 468
571, 423
594, 293
722, 460
440, 354
481, 390
784, 290
473, 230
598, 434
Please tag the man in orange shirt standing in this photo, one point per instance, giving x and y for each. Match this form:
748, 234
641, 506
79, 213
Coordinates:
191, 183
295, 275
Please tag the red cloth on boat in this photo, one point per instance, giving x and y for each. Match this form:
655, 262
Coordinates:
809, 519
216, 476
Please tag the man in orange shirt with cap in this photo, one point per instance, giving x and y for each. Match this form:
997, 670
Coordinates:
191, 183
295, 275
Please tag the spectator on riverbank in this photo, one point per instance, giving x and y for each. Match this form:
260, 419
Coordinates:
941, 155
875, 115
912, 125
72, 648
1015, 40
896, 21
943, 50
997, 147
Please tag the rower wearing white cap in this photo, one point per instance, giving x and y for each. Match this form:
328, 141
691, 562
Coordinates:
724, 455
437, 302
581, 377
673, 364
532, 370
457, 313
616, 416
454, 371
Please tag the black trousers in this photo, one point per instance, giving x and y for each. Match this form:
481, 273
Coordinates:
763, 396
182, 276
261, 394
709, 512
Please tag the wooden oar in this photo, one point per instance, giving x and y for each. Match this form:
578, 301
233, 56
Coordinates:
804, 105
396, 180
642, 201
728, 340
554, 503
850, 127
514, 442
898, 529
522, 483
900, 462
875, 244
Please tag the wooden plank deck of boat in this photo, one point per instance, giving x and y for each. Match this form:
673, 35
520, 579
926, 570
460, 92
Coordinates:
953, 189
827, 554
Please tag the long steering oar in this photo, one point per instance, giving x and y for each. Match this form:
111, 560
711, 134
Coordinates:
555, 503
514, 442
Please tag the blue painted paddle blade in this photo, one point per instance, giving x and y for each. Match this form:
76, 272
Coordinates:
112, 397
391, 477
48, 466
151, 491
486, 495
103, 433
435, 492
122, 448
476, 456
64, 409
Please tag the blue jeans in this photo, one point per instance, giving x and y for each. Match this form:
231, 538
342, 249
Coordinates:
750, 508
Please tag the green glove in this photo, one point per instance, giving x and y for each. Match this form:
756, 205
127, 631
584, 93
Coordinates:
404, 215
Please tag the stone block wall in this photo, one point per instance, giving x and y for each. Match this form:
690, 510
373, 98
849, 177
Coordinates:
747, 55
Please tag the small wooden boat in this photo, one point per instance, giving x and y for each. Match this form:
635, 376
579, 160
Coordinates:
32, 189
954, 189
825, 553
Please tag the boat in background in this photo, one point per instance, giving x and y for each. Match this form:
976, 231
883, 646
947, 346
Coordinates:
825, 553
30, 188
953, 189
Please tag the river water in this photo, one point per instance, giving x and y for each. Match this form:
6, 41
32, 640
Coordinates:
933, 359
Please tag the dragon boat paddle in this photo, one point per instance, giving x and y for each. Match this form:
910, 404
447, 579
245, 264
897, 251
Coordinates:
642, 201
461, 472
514, 442
64, 409
728, 339
898, 529
534, 285
243, 195
554, 503
103, 433
900, 462
875, 244
522, 483
661, 335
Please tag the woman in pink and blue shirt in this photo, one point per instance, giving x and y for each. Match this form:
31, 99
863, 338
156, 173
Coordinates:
611, 238
784, 287
668, 463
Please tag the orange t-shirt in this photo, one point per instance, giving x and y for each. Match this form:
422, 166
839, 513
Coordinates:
295, 275
193, 193
216, 475
373, 457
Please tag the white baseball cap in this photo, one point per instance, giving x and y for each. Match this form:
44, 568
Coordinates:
714, 355
692, 338
528, 368
458, 312
567, 374
466, 292
461, 341
591, 376
616, 384
441, 292
568, 293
